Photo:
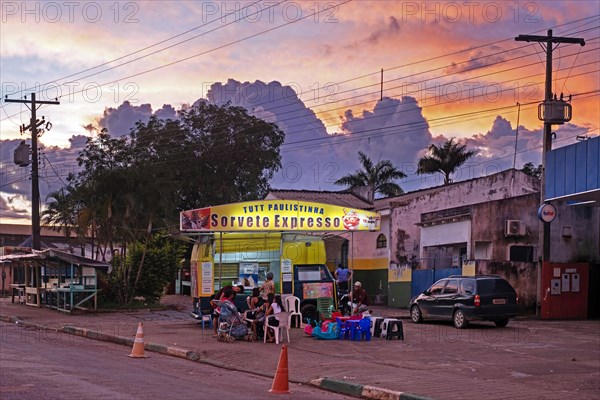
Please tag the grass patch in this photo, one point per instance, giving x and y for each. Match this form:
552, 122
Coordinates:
136, 304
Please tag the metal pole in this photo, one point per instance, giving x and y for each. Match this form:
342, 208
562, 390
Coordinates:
547, 146
220, 259
517, 134
352, 262
381, 95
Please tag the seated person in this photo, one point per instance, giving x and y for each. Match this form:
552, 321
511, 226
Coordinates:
255, 300
360, 299
218, 296
256, 311
275, 307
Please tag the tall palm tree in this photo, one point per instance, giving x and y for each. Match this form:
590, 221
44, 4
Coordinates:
378, 177
445, 159
60, 213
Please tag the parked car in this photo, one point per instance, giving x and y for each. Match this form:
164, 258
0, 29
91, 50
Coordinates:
466, 298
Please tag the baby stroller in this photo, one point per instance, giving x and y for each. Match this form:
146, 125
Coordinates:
231, 324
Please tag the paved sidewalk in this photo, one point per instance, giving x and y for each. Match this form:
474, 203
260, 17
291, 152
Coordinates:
530, 359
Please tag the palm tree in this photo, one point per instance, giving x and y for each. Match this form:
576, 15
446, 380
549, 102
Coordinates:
60, 213
444, 159
379, 177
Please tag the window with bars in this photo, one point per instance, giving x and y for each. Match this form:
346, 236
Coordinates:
381, 241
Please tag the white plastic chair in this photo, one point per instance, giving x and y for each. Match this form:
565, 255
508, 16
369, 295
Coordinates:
292, 305
283, 318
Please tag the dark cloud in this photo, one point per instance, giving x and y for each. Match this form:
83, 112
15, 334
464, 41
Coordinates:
90, 128
394, 129
13, 178
11, 211
119, 121
166, 112
391, 29
78, 141
496, 148
272, 102
55, 163
477, 60
307, 146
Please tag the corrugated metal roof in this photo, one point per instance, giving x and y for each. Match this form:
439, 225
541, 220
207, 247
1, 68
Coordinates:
57, 255
25, 230
343, 199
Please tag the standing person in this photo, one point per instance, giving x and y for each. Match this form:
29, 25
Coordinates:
219, 296
342, 276
268, 286
360, 299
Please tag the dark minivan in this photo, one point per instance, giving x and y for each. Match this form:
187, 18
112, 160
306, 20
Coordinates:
466, 298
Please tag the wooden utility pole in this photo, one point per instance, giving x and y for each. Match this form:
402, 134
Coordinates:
381, 95
548, 41
33, 105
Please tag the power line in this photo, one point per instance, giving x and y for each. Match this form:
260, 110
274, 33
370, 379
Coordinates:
404, 127
282, 121
156, 44
451, 117
310, 15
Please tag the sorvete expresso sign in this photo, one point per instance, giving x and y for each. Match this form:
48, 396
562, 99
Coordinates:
278, 215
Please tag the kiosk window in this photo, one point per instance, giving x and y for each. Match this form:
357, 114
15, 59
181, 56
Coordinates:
309, 273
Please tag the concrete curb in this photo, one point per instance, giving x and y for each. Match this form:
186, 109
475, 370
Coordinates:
363, 391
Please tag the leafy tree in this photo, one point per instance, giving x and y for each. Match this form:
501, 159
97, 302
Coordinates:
162, 258
529, 169
129, 188
445, 159
216, 154
378, 177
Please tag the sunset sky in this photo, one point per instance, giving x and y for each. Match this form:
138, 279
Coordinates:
450, 69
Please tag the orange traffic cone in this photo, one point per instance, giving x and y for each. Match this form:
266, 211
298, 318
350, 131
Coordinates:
280, 382
138, 344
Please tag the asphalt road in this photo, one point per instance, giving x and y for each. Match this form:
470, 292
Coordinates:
46, 365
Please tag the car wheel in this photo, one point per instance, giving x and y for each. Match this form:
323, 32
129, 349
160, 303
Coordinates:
309, 312
460, 321
501, 323
415, 314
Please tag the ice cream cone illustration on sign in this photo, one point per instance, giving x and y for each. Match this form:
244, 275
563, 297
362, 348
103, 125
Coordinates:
351, 220
138, 344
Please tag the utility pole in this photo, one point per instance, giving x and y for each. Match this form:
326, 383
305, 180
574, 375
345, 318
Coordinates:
548, 41
33, 105
381, 95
